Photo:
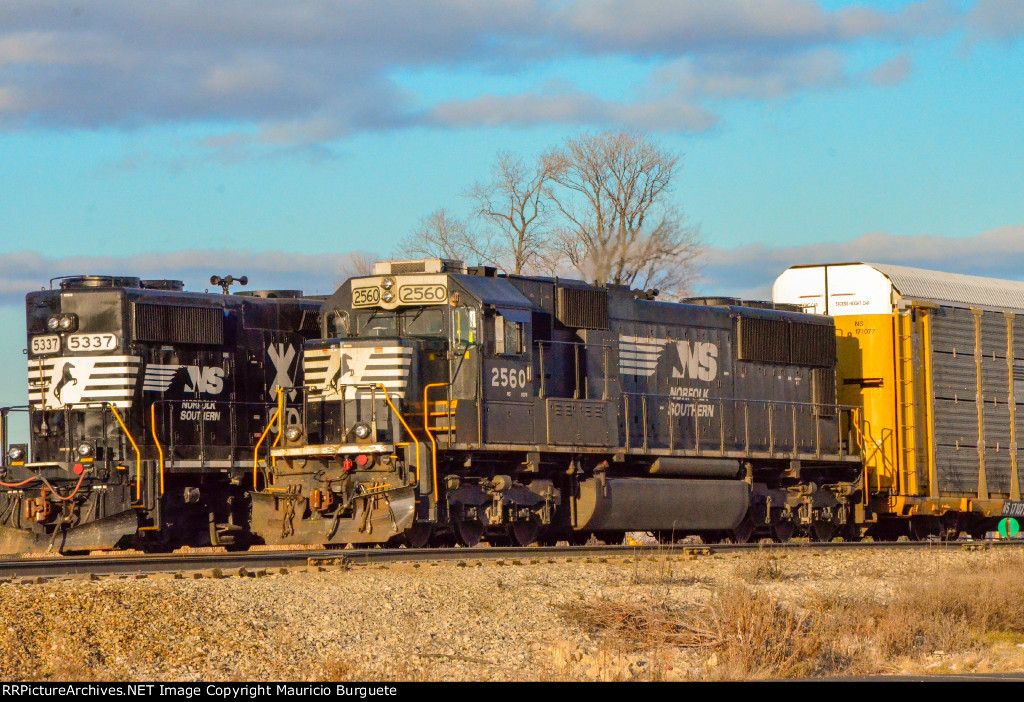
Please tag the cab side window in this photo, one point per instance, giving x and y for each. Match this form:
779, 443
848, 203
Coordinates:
508, 336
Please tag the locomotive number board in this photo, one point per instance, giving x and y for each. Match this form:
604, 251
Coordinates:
422, 294
365, 297
402, 294
43, 345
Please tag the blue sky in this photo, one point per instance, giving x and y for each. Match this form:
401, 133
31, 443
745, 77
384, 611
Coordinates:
185, 138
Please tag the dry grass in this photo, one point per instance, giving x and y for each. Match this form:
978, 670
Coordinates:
660, 571
762, 566
746, 632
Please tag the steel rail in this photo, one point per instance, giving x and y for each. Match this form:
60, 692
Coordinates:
231, 562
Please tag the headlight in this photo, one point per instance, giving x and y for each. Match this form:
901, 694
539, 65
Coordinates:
387, 284
361, 430
84, 450
388, 296
68, 322
292, 433
53, 323
16, 453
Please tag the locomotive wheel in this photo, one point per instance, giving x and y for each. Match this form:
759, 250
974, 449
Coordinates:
743, 533
822, 531
783, 531
442, 539
419, 535
850, 532
523, 532
579, 538
610, 538
548, 537
469, 532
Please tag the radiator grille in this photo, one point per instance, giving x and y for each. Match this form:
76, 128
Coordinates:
405, 267
582, 308
761, 340
823, 381
812, 344
784, 342
310, 322
178, 324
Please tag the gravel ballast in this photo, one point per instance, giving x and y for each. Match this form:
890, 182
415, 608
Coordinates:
486, 620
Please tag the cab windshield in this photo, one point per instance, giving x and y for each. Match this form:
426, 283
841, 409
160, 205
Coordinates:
377, 323
423, 321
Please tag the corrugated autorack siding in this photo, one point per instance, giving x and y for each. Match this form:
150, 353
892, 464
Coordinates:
955, 389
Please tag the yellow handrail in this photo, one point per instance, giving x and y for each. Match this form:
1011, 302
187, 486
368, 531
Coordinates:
411, 434
256, 448
426, 428
156, 441
138, 454
280, 427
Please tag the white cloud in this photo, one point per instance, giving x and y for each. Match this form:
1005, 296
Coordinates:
891, 72
997, 19
312, 71
24, 271
566, 105
749, 271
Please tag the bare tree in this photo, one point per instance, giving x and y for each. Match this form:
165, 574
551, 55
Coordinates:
440, 235
618, 222
357, 264
513, 205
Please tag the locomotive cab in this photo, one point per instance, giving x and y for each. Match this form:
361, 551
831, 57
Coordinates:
400, 349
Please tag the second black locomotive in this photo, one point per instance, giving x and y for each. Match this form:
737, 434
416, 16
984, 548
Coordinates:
444, 403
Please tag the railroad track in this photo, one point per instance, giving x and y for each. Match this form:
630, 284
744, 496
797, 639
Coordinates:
252, 563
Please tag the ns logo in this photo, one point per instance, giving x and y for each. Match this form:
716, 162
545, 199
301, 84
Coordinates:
697, 360
205, 379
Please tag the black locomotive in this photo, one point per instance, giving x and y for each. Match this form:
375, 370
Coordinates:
146, 404
446, 403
